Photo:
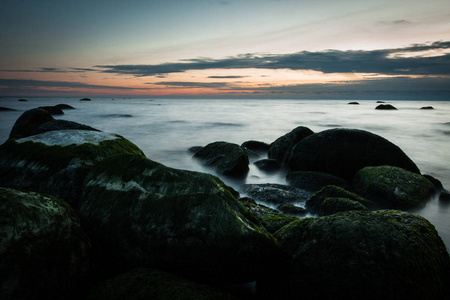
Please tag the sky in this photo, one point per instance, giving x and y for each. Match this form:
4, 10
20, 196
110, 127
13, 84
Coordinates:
300, 49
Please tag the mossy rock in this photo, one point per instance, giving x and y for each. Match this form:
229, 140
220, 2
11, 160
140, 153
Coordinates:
331, 191
225, 158
334, 205
44, 253
142, 213
366, 255
314, 181
392, 187
29, 121
343, 152
56, 162
275, 194
282, 146
143, 284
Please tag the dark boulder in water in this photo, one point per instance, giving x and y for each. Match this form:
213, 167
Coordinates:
85, 99
22, 100
444, 196
365, 255
53, 110
195, 149
6, 109
61, 125
353, 103
142, 213
226, 158
256, 146
427, 107
385, 107
314, 181
44, 253
29, 121
275, 193
343, 152
64, 106
392, 187
268, 165
281, 147
379, 101
291, 209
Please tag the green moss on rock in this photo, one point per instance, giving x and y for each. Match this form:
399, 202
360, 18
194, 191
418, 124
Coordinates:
334, 205
332, 191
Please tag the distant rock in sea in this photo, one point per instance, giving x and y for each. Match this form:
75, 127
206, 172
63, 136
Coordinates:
53, 110
6, 109
386, 107
354, 103
64, 106
379, 101
427, 107
22, 100
85, 99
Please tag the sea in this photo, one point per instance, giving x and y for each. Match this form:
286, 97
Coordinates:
166, 128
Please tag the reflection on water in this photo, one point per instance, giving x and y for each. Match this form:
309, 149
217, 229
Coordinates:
165, 129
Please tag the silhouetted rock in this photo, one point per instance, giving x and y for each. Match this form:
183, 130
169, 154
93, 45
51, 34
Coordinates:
29, 121
268, 165
6, 109
385, 107
226, 158
392, 187
436, 182
427, 107
444, 196
22, 100
195, 149
85, 99
61, 125
343, 152
314, 181
379, 101
64, 106
256, 146
365, 255
53, 110
281, 147
43, 250
142, 213
354, 103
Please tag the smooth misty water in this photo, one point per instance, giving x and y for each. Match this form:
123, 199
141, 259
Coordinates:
165, 129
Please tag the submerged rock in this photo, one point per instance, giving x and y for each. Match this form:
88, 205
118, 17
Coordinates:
343, 152
281, 147
64, 106
29, 121
365, 255
142, 213
354, 103
226, 158
44, 253
140, 284
427, 107
85, 99
56, 162
6, 109
392, 187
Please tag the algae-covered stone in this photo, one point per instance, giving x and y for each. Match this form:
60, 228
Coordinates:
314, 181
144, 284
331, 191
142, 213
392, 187
276, 194
332, 205
366, 255
56, 162
43, 250
226, 158
281, 147
343, 152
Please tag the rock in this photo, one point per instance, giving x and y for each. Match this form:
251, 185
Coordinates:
427, 107
226, 158
61, 125
281, 147
142, 283
379, 101
53, 110
291, 209
343, 152
331, 205
22, 100
314, 204
195, 149
85, 99
256, 146
28, 121
275, 193
314, 181
365, 255
392, 187
143, 214
56, 162
271, 219
64, 106
44, 253
444, 196
6, 109
354, 103
385, 107
268, 165
436, 182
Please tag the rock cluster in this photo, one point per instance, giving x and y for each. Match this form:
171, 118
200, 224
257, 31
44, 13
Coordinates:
85, 214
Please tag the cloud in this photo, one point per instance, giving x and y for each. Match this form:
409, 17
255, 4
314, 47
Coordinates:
330, 61
33, 84
53, 70
227, 77
189, 84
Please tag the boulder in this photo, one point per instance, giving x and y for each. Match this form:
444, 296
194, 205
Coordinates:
44, 253
64, 106
314, 181
427, 107
343, 152
392, 187
444, 196
256, 146
6, 109
53, 110
85, 99
436, 182
268, 165
142, 283
354, 103
195, 149
143, 214
61, 125
386, 107
332, 205
314, 204
29, 121
275, 194
281, 147
55, 162
291, 209
22, 100
226, 158
365, 255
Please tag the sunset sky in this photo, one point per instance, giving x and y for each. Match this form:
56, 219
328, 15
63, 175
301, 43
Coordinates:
311, 49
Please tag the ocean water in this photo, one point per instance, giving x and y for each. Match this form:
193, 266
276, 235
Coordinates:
165, 128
